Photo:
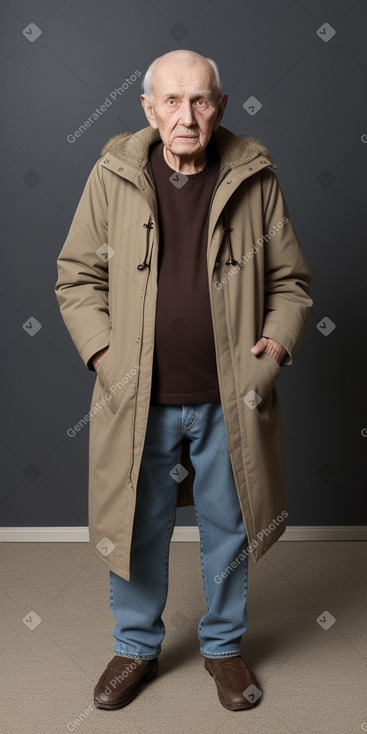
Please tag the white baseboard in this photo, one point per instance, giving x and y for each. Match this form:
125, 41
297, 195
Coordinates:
181, 534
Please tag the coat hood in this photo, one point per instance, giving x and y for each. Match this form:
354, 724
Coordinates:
234, 150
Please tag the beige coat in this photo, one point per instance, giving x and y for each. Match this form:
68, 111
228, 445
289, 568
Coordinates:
105, 299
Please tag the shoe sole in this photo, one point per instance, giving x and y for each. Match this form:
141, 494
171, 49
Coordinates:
150, 675
238, 706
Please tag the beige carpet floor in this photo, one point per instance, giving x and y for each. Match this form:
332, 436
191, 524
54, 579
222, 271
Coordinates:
313, 676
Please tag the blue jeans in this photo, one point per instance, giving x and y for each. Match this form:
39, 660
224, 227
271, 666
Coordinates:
137, 605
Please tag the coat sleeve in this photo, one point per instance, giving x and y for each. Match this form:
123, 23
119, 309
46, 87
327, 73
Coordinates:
287, 277
82, 283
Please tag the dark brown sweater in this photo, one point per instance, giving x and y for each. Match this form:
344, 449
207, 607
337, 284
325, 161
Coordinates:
185, 369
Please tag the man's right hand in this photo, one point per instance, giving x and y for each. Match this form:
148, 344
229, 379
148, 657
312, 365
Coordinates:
98, 358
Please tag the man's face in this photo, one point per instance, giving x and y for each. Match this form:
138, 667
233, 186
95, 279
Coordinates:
183, 106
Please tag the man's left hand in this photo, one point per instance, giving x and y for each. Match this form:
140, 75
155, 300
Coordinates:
271, 347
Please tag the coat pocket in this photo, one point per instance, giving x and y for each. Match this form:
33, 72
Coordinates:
262, 378
102, 374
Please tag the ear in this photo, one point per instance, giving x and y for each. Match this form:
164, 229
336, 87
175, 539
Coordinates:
149, 111
221, 107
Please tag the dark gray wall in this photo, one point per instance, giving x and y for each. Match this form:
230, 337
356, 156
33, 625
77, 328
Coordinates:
312, 89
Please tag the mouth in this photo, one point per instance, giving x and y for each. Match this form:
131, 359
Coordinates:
186, 137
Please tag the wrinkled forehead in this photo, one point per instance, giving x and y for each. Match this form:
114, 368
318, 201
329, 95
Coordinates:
179, 78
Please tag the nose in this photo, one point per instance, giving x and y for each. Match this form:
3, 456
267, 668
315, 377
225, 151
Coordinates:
187, 116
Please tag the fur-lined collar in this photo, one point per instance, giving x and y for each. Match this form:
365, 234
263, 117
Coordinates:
234, 150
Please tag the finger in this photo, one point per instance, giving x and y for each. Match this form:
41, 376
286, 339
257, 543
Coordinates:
275, 350
260, 346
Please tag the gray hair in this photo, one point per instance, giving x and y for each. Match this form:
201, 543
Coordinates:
146, 84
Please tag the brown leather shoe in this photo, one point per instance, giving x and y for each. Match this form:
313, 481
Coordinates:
119, 683
236, 684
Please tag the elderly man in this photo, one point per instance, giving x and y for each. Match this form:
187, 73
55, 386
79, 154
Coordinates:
184, 287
